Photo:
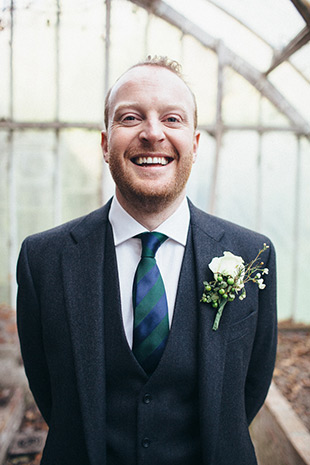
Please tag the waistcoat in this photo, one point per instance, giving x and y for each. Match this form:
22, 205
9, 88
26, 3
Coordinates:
152, 420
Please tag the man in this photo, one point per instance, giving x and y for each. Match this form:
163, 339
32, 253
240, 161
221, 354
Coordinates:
104, 399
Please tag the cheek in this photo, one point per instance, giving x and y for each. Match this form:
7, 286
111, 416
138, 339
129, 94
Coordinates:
121, 135
184, 145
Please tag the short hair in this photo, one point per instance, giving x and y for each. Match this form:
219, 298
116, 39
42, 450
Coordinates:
161, 62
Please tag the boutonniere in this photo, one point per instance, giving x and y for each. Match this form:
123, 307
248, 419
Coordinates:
230, 276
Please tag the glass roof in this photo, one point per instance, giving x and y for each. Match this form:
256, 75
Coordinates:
275, 21
256, 33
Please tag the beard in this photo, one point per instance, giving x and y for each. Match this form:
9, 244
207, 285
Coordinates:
151, 197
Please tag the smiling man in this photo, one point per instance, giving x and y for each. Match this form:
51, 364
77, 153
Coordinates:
120, 352
151, 141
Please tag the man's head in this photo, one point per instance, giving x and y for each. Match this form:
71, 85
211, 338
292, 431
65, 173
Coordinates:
151, 140
164, 62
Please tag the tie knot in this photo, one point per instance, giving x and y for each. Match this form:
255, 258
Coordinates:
151, 241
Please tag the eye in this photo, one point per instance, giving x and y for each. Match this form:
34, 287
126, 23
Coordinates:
172, 119
129, 119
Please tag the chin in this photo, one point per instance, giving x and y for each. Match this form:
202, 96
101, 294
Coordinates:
151, 200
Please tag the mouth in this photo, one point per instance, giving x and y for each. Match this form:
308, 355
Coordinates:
151, 161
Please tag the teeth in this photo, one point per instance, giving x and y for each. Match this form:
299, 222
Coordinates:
151, 161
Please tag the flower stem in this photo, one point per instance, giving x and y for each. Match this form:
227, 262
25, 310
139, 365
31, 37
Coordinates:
218, 315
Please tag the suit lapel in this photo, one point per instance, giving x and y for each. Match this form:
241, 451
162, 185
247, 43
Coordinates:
83, 282
207, 243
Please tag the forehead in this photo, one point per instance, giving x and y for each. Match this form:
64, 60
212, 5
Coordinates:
151, 85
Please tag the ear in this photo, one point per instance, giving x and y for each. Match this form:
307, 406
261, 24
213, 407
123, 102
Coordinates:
195, 145
104, 146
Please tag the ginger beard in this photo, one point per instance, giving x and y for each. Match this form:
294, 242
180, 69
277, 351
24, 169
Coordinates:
148, 192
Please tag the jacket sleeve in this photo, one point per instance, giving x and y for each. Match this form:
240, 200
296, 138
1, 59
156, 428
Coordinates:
263, 355
30, 335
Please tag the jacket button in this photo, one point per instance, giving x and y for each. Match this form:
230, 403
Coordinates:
146, 443
147, 398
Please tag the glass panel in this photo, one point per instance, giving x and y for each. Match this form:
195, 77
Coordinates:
301, 59
279, 153
200, 181
82, 61
164, 39
200, 70
5, 64
270, 116
108, 186
35, 165
81, 166
34, 63
294, 88
301, 281
128, 37
236, 194
241, 100
4, 218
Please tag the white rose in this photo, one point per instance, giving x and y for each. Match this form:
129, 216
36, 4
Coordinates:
228, 265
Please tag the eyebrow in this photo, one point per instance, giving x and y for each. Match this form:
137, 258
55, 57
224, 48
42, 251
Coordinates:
126, 105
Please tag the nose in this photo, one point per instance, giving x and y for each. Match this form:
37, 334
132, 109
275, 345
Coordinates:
152, 131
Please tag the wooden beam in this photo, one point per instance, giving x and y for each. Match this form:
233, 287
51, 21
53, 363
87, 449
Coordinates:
54, 125
295, 44
303, 9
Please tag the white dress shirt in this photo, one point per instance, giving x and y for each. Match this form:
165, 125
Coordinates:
128, 253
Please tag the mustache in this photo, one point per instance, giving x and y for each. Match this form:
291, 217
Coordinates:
151, 149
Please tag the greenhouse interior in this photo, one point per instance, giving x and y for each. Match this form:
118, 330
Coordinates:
247, 62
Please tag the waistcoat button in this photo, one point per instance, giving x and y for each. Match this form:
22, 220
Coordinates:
147, 398
146, 443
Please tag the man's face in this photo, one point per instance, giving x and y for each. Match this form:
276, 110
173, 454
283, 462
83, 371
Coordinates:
150, 143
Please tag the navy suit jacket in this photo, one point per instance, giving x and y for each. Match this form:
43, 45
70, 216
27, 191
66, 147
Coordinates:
60, 315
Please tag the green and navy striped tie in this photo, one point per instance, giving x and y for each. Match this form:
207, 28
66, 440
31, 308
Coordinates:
151, 326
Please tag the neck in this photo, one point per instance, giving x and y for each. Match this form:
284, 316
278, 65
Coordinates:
150, 219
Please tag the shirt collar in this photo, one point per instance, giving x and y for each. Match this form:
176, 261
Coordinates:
125, 226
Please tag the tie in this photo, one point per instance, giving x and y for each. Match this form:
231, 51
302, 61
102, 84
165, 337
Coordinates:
151, 325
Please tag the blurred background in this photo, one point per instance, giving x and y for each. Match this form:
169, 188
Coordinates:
247, 61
